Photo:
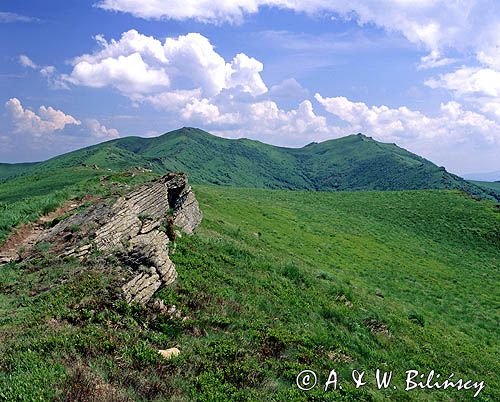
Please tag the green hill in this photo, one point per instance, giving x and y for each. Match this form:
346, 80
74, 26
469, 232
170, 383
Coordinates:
490, 185
355, 162
272, 283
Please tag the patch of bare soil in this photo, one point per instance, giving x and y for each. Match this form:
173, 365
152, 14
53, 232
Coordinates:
84, 385
26, 236
377, 327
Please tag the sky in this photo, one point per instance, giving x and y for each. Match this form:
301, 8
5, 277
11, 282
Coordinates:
422, 74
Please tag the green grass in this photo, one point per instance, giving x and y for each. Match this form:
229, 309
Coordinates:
273, 282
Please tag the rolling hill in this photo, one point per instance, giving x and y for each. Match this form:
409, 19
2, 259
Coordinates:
273, 282
355, 162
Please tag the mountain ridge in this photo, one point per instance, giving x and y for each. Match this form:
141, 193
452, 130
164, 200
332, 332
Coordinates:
353, 162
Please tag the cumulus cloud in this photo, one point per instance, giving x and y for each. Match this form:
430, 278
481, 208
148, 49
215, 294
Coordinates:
295, 126
36, 135
492, 107
403, 124
130, 74
435, 26
261, 119
187, 77
100, 131
469, 81
245, 72
480, 83
171, 101
139, 65
47, 121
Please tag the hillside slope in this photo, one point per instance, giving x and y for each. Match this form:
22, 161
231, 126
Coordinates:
355, 162
8, 170
272, 283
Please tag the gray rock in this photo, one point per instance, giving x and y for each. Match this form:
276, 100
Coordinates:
169, 353
130, 228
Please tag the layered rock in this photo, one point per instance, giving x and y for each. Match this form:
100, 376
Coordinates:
135, 229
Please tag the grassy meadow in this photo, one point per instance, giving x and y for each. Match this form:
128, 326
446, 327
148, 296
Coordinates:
272, 282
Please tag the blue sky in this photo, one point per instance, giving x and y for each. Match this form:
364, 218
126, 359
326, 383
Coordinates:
423, 74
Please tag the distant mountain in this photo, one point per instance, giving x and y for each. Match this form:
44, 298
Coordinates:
355, 162
489, 176
491, 185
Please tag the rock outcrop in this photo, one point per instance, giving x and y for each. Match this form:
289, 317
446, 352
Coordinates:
135, 228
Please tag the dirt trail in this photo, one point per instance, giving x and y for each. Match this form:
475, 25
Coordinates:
26, 235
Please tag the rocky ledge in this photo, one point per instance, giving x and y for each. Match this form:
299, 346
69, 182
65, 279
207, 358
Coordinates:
138, 228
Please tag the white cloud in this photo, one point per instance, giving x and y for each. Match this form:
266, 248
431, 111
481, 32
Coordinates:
100, 131
469, 81
49, 72
434, 23
188, 78
492, 107
262, 119
266, 121
130, 42
434, 60
7, 17
245, 71
129, 74
453, 124
184, 76
27, 62
46, 121
489, 55
479, 84
139, 65
288, 89
171, 101
436, 26
193, 58
488, 51
203, 111
36, 135
204, 10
